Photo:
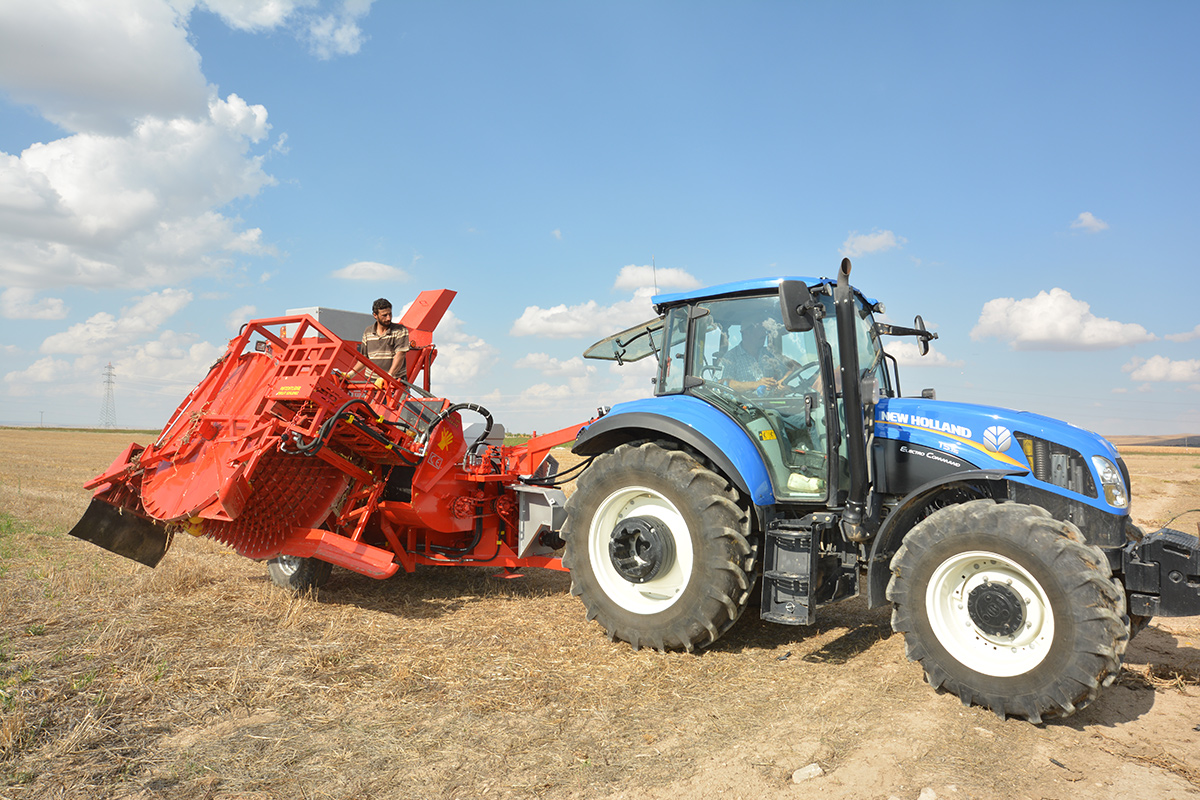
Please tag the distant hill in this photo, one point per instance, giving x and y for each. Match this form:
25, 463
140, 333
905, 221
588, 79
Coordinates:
1174, 440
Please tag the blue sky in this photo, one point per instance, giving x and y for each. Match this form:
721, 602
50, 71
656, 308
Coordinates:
1023, 175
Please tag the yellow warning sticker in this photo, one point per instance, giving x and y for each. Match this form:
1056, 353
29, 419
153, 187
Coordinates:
767, 435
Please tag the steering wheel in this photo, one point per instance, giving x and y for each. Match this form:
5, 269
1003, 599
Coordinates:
803, 377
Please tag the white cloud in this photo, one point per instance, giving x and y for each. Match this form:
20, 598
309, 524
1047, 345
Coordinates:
1089, 222
338, 34
85, 66
571, 368
1054, 320
1191, 335
877, 241
103, 333
239, 316
646, 276
133, 195
584, 319
328, 33
1161, 368
462, 357
18, 303
459, 363
149, 376
590, 318
21, 383
253, 15
370, 271
557, 234
132, 210
907, 355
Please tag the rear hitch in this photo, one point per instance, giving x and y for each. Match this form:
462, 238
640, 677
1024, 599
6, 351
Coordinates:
1162, 574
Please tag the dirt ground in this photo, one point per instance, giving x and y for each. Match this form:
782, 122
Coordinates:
200, 680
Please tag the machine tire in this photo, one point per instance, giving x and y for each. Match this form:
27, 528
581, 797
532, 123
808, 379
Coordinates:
298, 574
698, 589
1041, 629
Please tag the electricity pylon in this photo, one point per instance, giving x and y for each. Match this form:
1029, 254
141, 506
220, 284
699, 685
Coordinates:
108, 410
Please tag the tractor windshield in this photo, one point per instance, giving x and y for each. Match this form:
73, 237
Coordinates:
631, 344
771, 381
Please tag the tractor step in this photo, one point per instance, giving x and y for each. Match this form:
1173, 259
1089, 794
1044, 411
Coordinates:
791, 552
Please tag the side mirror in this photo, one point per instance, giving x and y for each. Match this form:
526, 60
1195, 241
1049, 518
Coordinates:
922, 339
795, 300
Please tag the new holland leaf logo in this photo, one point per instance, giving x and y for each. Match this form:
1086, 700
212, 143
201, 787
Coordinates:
997, 439
445, 440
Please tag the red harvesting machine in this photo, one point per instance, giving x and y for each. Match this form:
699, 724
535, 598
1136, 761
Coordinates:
296, 449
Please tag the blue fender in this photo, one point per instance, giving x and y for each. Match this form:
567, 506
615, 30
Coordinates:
693, 422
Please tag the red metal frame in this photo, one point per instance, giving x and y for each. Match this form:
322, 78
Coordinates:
277, 452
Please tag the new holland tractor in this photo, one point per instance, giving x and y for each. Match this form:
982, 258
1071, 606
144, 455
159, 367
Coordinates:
777, 452
777, 448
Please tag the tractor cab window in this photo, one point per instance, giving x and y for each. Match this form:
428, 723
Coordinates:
672, 368
769, 380
870, 349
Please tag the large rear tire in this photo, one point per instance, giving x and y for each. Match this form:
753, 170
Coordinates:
1008, 608
658, 548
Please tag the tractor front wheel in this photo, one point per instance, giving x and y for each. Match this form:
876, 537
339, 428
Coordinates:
657, 548
1008, 608
298, 574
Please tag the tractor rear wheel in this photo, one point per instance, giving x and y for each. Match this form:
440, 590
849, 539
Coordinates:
657, 548
1008, 608
297, 573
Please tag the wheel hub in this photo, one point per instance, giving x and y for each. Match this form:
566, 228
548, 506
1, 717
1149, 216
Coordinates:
640, 548
996, 609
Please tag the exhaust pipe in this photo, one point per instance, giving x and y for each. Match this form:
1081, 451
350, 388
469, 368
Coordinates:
856, 441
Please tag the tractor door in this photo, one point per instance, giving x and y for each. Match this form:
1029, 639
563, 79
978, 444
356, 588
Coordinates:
771, 381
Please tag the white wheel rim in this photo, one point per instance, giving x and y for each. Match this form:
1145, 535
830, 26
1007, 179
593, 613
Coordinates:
664, 589
287, 564
1001, 656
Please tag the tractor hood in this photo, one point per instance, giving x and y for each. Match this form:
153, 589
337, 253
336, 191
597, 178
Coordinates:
1000, 438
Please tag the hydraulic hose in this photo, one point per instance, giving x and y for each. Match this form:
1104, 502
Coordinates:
558, 478
478, 409
311, 447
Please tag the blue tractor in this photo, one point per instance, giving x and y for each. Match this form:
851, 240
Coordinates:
778, 449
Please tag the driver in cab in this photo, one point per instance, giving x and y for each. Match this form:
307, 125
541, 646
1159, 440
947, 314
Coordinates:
752, 368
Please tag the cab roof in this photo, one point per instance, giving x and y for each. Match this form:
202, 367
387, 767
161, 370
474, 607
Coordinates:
664, 301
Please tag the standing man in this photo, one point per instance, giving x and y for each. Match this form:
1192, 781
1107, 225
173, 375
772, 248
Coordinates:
385, 342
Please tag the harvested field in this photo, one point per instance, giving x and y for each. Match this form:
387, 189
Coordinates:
201, 680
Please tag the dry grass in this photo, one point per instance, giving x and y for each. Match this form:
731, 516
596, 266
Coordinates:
200, 680
200, 675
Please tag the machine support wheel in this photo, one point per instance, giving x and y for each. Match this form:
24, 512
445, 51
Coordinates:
1008, 608
658, 548
298, 574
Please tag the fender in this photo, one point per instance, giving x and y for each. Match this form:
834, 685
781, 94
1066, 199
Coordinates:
904, 516
693, 422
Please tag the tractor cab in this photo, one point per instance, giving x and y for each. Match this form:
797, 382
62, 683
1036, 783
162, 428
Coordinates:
767, 354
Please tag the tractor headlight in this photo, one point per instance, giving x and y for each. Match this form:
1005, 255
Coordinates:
1111, 480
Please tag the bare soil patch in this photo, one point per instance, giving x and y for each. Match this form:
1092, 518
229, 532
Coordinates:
200, 680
